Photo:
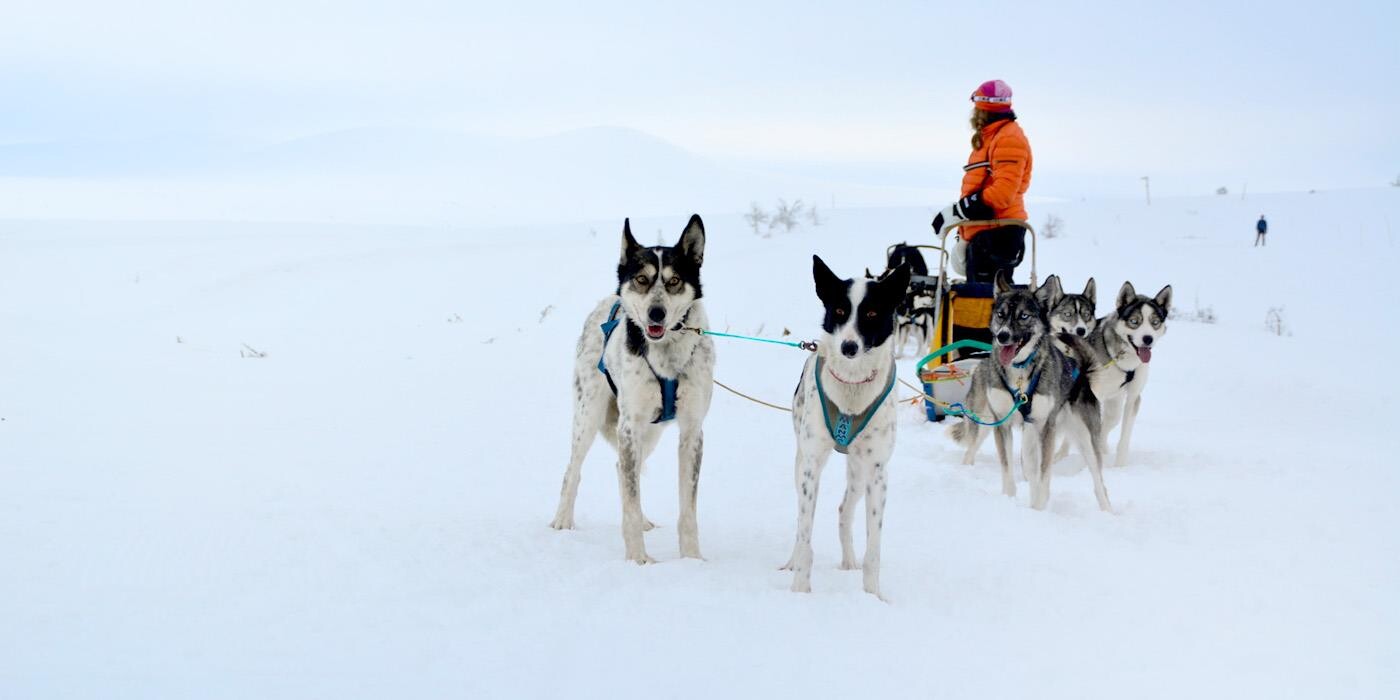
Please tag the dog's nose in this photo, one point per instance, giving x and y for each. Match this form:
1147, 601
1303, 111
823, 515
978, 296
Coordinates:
1081, 332
849, 348
657, 314
1147, 340
1003, 337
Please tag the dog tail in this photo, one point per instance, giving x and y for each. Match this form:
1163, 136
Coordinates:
961, 432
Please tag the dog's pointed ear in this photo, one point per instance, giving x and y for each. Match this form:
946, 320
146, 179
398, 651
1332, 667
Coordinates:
629, 244
1164, 298
829, 286
1090, 291
1002, 286
692, 242
897, 282
1126, 295
1050, 292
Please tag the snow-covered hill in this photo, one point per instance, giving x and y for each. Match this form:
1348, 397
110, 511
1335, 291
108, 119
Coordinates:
319, 461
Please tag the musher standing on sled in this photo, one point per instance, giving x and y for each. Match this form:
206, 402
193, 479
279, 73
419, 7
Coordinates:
995, 178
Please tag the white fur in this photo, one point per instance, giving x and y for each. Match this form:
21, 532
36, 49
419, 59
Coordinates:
626, 422
867, 456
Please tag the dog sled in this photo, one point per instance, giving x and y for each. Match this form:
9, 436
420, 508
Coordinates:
962, 311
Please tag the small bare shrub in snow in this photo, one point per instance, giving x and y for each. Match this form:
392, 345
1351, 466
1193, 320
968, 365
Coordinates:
1274, 322
248, 351
1222, 190
757, 219
1199, 314
786, 215
1054, 227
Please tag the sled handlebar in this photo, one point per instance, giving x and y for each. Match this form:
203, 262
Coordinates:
943, 242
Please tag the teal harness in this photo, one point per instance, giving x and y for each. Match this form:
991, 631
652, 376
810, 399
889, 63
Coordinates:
844, 427
668, 386
1071, 370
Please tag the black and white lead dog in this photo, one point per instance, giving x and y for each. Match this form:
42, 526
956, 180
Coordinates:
845, 402
632, 383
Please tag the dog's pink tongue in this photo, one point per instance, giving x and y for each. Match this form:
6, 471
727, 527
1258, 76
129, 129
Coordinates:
1145, 354
1006, 353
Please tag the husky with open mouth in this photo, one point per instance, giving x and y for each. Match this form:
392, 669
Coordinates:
638, 369
1028, 382
1122, 346
845, 402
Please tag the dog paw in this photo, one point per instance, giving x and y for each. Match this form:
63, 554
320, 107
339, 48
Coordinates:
849, 565
641, 560
801, 586
788, 566
562, 523
647, 525
691, 553
875, 591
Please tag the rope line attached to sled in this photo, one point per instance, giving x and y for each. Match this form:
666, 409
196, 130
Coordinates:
955, 408
741, 394
808, 345
958, 410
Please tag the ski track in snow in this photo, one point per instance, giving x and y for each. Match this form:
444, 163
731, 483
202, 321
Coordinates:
363, 511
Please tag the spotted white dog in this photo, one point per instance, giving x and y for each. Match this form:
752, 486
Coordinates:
630, 384
845, 403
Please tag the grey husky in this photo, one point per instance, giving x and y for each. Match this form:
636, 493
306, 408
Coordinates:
1073, 313
1054, 394
1120, 349
632, 383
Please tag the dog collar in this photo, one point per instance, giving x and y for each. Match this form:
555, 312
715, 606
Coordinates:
1026, 363
844, 428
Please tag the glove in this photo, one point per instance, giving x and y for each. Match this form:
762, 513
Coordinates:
969, 208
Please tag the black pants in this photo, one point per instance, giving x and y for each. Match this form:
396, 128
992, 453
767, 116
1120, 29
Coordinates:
997, 249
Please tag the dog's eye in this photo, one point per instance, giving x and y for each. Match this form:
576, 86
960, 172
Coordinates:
839, 313
1024, 315
1134, 322
673, 282
871, 314
642, 280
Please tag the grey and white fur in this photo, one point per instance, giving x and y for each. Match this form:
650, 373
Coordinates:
1060, 403
1073, 313
659, 293
1120, 350
856, 352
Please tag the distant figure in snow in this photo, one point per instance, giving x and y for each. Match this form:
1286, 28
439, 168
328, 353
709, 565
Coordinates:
995, 179
1260, 229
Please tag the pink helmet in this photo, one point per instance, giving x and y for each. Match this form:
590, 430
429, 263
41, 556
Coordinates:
992, 96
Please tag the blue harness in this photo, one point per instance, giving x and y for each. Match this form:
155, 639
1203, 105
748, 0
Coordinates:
844, 427
1071, 369
668, 386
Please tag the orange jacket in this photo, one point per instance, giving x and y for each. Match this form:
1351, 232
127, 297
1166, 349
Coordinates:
1000, 170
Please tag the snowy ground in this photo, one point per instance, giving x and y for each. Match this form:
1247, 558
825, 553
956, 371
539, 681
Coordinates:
363, 511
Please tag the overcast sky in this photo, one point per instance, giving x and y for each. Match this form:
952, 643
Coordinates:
1280, 94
